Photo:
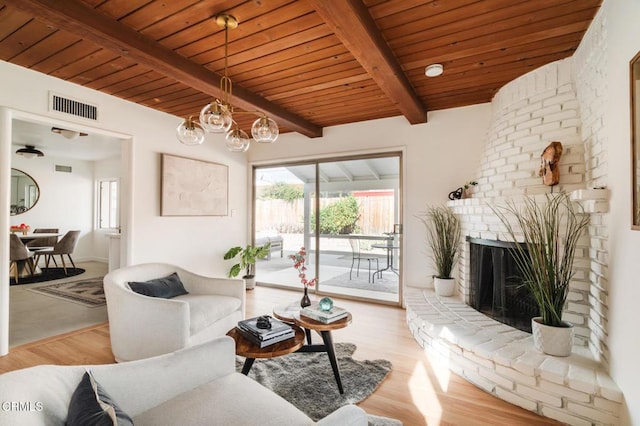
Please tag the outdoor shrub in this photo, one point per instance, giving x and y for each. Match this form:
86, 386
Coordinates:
282, 191
340, 217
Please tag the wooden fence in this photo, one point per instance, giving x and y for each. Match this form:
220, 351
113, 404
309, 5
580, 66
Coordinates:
376, 214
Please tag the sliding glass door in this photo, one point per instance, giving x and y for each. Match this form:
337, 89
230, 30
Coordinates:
345, 212
359, 205
284, 205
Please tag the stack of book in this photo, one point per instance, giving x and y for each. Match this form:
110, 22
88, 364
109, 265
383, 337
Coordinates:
263, 337
315, 313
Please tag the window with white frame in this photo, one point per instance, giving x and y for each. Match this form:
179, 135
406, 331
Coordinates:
108, 207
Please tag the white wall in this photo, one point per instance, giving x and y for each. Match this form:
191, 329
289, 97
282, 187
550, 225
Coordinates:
196, 243
623, 41
66, 199
439, 156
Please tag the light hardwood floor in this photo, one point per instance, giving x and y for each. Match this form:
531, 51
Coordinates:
416, 391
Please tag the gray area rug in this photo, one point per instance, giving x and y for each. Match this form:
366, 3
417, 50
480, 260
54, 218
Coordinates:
89, 292
387, 284
306, 379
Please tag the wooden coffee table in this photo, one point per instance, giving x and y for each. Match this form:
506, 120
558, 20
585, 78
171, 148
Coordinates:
291, 314
251, 351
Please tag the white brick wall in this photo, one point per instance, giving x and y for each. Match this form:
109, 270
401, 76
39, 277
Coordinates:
527, 117
590, 66
529, 113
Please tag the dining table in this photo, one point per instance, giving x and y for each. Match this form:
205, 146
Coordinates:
25, 238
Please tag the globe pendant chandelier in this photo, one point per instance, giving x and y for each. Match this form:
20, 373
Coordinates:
217, 116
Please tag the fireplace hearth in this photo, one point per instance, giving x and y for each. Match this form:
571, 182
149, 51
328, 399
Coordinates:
496, 287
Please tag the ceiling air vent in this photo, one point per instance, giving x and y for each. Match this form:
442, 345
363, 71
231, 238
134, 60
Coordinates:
74, 107
65, 169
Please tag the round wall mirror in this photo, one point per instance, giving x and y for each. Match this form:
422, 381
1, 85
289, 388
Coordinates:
24, 192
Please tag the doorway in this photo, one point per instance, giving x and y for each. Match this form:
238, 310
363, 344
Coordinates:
76, 163
345, 212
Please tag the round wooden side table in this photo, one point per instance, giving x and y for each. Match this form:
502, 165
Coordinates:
251, 351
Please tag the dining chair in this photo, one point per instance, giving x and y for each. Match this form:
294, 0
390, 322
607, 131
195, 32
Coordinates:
43, 243
19, 253
66, 245
356, 255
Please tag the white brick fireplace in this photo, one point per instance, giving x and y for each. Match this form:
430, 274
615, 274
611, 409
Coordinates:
529, 113
562, 102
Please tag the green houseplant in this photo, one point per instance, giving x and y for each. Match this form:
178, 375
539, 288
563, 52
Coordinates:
550, 232
443, 233
247, 261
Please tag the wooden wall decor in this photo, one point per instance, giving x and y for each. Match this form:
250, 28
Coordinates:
549, 170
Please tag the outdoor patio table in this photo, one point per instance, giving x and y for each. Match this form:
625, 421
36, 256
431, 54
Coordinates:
389, 248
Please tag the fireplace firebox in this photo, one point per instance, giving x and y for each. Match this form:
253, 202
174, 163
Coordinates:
496, 287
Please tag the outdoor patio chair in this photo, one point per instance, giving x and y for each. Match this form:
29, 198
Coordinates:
356, 255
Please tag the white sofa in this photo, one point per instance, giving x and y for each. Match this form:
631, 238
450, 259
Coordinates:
193, 386
142, 326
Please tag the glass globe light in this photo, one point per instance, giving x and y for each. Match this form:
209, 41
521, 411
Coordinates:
237, 140
264, 130
189, 132
216, 117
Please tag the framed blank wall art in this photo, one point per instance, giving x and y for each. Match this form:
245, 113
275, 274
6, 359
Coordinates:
193, 187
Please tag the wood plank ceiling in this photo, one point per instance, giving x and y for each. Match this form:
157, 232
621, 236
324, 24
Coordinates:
307, 63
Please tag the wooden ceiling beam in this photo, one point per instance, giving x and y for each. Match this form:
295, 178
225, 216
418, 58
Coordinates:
78, 18
353, 25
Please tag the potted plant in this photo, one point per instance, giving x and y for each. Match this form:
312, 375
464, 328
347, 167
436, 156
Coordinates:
463, 191
443, 237
248, 257
466, 188
550, 232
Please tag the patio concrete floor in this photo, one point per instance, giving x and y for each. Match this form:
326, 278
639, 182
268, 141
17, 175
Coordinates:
334, 274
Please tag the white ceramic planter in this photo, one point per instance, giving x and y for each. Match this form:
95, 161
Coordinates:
250, 282
444, 286
557, 341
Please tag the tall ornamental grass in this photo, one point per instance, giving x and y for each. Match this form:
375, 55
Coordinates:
443, 237
551, 231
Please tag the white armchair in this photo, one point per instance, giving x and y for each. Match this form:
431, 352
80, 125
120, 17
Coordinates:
142, 326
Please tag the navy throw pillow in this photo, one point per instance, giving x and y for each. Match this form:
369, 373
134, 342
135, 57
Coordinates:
90, 405
166, 288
